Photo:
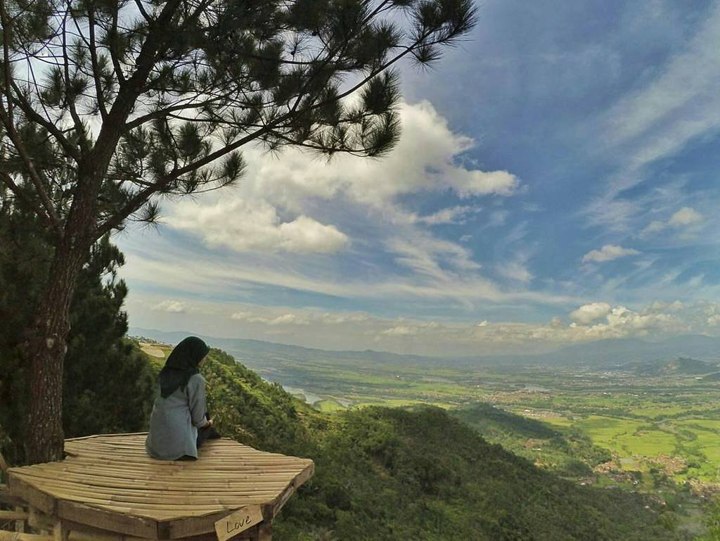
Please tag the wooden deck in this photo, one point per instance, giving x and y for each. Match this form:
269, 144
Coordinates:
109, 483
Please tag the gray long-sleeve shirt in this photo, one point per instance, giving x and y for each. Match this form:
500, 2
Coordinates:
174, 421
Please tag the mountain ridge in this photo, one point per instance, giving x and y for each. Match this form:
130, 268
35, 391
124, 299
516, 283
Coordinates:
601, 353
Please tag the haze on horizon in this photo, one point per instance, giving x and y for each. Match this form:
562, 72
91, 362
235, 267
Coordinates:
555, 183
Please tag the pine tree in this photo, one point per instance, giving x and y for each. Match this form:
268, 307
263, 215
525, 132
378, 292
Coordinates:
108, 384
108, 105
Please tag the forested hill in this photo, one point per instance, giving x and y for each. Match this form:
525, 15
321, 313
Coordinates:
392, 474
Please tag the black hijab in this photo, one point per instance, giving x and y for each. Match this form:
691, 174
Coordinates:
181, 364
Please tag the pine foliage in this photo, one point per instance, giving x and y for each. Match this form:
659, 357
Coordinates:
132, 100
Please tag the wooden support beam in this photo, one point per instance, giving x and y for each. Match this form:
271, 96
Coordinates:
60, 533
39, 520
13, 515
265, 532
7, 498
17, 536
20, 523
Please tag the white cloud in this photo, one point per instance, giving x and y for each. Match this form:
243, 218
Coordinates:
357, 330
426, 158
608, 253
265, 316
684, 217
653, 227
401, 330
517, 271
431, 257
588, 313
452, 215
297, 202
171, 306
255, 226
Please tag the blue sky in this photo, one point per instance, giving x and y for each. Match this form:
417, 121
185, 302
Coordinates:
555, 183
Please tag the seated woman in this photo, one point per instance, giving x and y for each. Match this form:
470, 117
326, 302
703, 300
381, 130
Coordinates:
179, 422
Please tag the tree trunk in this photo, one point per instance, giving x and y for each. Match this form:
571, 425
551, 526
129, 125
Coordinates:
45, 350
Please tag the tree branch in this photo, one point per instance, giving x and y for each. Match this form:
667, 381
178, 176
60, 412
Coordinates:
142, 11
113, 53
6, 58
71, 99
160, 113
51, 127
15, 189
95, 66
34, 176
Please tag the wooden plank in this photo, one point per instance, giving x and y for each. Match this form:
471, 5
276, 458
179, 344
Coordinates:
80, 493
59, 532
170, 468
13, 515
237, 522
7, 498
107, 520
18, 536
185, 487
90, 471
28, 492
40, 521
283, 498
83, 532
180, 528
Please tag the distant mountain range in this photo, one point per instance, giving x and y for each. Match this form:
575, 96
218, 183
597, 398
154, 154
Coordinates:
600, 354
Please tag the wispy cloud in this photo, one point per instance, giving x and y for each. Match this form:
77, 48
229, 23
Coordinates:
171, 306
659, 120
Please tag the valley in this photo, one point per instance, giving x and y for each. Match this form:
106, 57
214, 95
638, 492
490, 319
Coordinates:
651, 427
647, 426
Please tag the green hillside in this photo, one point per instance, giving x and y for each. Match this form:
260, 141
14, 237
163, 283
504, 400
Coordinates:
676, 367
569, 453
390, 473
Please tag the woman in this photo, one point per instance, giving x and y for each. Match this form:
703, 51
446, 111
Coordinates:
179, 421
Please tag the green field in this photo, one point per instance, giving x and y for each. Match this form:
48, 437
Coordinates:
656, 434
653, 425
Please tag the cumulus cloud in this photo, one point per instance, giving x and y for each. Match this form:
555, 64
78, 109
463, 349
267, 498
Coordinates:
426, 158
297, 202
588, 313
684, 217
355, 330
608, 253
255, 226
